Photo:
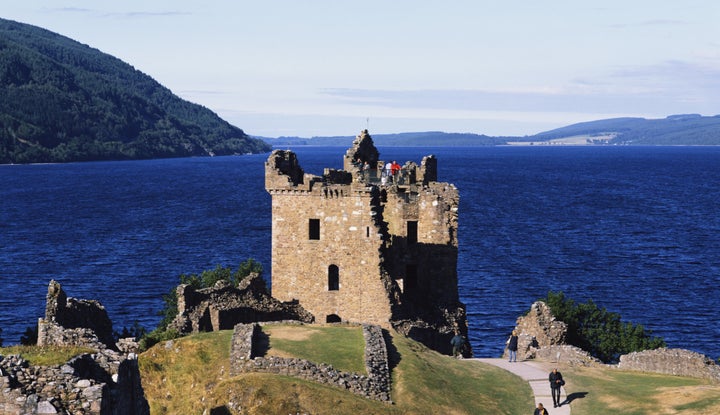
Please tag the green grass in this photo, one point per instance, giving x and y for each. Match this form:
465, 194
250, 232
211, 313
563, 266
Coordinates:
341, 346
191, 376
45, 355
179, 376
601, 390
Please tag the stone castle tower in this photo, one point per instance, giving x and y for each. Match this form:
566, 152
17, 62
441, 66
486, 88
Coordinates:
358, 245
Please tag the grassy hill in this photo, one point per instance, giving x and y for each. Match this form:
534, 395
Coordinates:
190, 375
64, 101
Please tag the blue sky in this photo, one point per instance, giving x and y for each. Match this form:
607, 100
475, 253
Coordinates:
315, 68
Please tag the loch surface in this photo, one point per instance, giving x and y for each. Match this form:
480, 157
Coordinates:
635, 229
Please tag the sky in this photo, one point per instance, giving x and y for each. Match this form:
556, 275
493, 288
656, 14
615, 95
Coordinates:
335, 67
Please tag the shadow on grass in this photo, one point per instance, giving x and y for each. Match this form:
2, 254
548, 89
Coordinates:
575, 395
393, 354
260, 344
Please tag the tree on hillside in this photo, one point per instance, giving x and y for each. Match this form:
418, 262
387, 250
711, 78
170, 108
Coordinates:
599, 331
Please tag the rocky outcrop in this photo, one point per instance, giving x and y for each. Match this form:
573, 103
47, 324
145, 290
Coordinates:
679, 362
223, 306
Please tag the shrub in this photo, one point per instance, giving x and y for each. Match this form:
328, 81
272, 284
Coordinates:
598, 331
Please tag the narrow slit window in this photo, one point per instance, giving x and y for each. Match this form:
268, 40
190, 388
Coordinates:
333, 278
412, 232
314, 229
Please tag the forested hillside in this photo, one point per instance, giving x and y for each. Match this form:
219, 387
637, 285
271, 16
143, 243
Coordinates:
683, 129
63, 101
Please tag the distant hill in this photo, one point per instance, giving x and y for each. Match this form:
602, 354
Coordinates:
64, 101
418, 139
684, 129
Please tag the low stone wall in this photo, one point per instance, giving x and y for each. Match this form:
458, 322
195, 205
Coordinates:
374, 385
679, 362
565, 354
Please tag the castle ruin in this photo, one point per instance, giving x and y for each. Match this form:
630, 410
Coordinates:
365, 245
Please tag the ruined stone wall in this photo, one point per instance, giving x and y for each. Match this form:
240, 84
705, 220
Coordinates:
103, 383
223, 306
679, 362
373, 385
86, 319
349, 239
432, 252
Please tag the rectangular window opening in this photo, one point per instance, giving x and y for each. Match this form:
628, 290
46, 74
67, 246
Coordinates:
314, 229
412, 230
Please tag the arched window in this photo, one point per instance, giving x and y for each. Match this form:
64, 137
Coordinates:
333, 318
333, 278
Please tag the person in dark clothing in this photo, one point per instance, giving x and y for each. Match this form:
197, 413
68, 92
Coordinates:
540, 410
457, 342
556, 381
513, 346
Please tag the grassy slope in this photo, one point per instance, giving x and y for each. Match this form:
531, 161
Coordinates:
600, 390
189, 375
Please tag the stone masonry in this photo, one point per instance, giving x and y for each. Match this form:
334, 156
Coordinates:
538, 329
103, 382
69, 321
373, 385
356, 245
223, 306
679, 362
541, 336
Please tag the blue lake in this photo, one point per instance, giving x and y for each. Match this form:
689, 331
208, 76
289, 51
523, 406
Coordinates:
635, 229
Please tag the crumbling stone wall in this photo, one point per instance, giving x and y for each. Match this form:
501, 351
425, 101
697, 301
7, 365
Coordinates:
104, 382
81, 316
223, 306
565, 353
679, 362
542, 337
538, 329
97, 384
374, 385
352, 249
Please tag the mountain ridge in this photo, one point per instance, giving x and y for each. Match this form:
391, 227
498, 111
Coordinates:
62, 101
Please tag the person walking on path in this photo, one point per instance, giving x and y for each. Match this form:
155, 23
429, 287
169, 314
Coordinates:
540, 410
513, 346
556, 382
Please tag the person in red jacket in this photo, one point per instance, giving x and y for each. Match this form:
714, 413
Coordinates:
395, 169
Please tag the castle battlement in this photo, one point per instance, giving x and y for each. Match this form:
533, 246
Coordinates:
373, 243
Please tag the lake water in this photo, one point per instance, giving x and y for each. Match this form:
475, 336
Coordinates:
635, 229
